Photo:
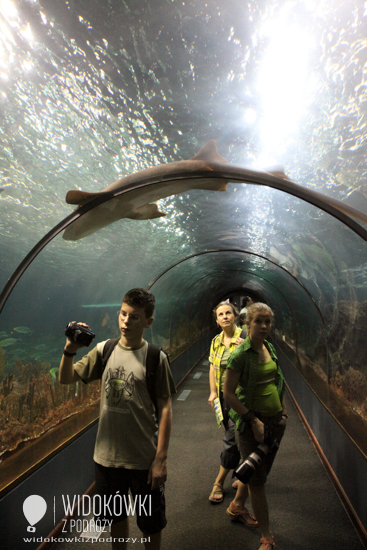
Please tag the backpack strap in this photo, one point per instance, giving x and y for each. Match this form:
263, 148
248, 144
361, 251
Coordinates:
152, 364
243, 333
107, 351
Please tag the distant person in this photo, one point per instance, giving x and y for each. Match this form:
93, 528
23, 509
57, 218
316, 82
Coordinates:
242, 317
247, 302
128, 454
221, 347
254, 388
242, 321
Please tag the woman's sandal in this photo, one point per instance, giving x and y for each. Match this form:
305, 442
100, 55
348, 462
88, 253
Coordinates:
267, 544
243, 516
217, 490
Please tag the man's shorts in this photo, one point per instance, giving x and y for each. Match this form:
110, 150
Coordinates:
113, 484
247, 444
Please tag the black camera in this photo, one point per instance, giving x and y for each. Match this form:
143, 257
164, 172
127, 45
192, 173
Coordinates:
79, 334
246, 469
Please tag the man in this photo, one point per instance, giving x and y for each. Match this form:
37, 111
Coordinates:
246, 302
127, 453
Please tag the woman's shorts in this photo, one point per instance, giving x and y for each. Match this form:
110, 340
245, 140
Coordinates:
247, 444
113, 484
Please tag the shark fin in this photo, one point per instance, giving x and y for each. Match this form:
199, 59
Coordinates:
79, 197
209, 153
146, 212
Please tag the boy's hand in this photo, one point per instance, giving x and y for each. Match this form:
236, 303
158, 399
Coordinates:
157, 472
72, 346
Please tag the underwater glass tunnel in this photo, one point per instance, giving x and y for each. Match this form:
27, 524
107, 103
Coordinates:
274, 206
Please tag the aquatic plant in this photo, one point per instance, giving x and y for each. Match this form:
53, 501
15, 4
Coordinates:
30, 370
2, 362
21, 402
183, 336
346, 334
352, 385
36, 401
29, 400
7, 385
320, 370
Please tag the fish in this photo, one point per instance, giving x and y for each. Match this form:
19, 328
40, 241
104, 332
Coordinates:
8, 342
138, 205
40, 346
23, 330
54, 371
105, 320
37, 356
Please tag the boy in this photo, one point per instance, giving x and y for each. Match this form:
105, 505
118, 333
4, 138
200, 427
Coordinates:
127, 453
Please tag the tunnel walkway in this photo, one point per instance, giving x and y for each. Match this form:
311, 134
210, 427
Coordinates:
305, 511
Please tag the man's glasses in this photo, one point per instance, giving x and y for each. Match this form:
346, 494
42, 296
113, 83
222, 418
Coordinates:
134, 317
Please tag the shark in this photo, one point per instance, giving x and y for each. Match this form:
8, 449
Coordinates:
139, 203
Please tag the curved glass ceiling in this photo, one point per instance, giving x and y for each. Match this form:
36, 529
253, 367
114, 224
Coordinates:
93, 91
251, 237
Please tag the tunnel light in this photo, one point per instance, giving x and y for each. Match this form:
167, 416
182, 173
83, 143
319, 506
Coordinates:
27, 66
283, 82
8, 9
250, 115
27, 33
6, 36
266, 160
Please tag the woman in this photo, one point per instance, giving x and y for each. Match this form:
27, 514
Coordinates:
254, 382
221, 348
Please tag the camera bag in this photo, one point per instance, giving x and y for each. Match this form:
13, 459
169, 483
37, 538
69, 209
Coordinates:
152, 364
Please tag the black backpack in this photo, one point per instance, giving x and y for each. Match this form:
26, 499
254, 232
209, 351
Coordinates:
152, 364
